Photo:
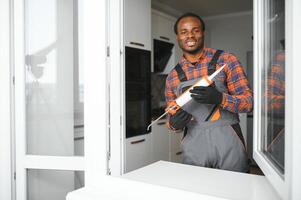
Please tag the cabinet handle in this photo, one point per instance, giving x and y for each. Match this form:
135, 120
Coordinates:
79, 138
79, 126
161, 123
164, 38
179, 153
137, 141
137, 44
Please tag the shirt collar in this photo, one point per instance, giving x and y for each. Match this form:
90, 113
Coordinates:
184, 61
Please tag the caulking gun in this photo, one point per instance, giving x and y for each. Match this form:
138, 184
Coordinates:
184, 98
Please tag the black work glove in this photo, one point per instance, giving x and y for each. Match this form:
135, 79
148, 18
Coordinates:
180, 119
206, 95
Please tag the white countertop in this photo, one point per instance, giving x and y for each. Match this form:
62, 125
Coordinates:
182, 181
220, 183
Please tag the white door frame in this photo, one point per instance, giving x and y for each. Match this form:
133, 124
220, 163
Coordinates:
6, 153
23, 160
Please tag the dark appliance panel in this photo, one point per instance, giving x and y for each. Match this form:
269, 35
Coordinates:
138, 91
138, 65
162, 53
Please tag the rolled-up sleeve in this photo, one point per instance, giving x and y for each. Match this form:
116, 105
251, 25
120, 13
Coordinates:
239, 98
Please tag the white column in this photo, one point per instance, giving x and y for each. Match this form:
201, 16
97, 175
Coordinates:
92, 15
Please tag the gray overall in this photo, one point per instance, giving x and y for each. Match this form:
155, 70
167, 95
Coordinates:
214, 144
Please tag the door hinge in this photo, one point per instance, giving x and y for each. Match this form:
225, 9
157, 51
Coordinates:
108, 163
15, 176
120, 120
13, 79
108, 51
108, 155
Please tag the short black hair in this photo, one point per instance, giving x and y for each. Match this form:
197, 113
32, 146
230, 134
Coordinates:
189, 14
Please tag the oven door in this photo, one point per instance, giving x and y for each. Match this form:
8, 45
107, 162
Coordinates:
138, 109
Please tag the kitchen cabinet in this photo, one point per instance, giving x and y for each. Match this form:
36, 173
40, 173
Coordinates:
175, 146
137, 23
166, 144
138, 152
162, 29
137, 34
161, 141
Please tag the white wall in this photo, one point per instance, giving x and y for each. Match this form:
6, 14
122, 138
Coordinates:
232, 33
5, 140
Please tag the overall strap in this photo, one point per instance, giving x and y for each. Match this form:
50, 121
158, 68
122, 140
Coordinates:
182, 78
211, 69
213, 62
211, 66
181, 73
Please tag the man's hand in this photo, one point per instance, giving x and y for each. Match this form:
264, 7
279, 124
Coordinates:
180, 119
206, 95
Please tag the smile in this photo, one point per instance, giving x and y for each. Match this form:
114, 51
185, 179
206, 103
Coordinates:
190, 43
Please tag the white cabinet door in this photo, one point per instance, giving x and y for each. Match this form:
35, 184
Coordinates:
160, 139
137, 23
138, 152
162, 28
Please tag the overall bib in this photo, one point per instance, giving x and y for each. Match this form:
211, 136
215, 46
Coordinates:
213, 137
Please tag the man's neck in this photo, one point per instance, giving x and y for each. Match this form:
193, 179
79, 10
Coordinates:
193, 57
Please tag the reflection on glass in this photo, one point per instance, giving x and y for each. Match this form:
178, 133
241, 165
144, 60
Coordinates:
273, 85
54, 88
52, 184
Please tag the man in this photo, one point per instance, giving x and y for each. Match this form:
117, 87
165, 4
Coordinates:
214, 137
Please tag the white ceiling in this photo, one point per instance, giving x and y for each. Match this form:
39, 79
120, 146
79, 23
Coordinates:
203, 8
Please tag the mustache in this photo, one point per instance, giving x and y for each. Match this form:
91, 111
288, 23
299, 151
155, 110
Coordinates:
191, 40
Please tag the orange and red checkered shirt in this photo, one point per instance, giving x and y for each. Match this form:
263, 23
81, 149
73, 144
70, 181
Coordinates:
239, 97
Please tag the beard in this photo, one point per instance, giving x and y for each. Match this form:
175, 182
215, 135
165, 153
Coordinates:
192, 51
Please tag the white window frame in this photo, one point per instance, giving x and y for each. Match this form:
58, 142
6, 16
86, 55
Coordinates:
285, 185
25, 161
96, 94
6, 152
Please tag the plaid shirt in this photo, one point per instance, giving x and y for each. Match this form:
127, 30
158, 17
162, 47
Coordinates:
276, 84
239, 97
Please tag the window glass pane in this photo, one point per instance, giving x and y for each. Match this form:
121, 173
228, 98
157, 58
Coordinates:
52, 184
54, 79
273, 84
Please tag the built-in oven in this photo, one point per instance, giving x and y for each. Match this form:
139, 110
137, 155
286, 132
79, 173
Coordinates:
138, 91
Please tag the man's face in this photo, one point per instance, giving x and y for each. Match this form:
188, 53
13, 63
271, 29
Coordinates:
190, 35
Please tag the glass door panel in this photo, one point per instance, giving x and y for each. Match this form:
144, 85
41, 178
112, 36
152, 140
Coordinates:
273, 83
49, 104
52, 184
54, 83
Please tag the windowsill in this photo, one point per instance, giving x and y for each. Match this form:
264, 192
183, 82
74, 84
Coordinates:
184, 180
